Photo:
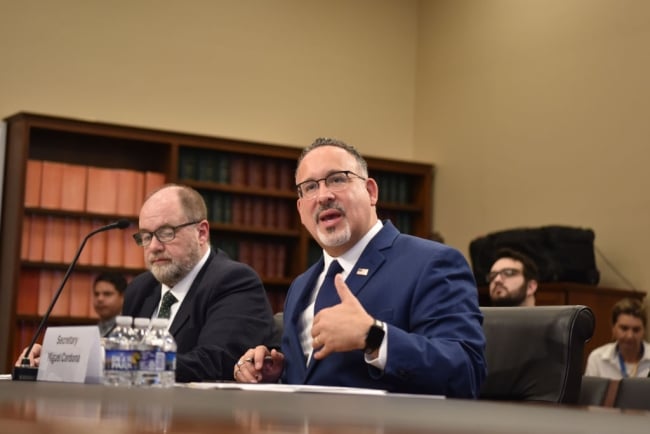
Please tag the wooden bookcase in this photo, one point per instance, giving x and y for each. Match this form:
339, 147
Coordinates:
249, 189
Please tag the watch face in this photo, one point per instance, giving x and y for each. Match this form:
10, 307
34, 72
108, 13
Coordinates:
375, 337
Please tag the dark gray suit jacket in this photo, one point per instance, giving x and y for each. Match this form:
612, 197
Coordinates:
225, 312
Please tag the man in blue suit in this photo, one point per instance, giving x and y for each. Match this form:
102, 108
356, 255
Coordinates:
403, 313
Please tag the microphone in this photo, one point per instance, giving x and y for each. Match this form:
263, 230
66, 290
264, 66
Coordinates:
24, 372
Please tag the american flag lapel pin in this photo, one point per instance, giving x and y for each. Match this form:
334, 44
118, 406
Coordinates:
362, 271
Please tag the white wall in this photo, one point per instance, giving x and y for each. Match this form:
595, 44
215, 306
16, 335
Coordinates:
280, 71
536, 113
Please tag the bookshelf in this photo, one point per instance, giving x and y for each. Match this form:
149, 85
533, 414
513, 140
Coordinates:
103, 172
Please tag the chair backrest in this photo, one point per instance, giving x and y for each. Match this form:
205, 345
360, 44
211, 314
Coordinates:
535, 353
598, 391
633, 393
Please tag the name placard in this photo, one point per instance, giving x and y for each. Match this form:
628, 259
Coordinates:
71, 355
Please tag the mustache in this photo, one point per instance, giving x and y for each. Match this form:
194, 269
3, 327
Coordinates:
153, 258
329, 206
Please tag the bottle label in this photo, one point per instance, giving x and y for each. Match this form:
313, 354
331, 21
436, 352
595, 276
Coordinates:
170, 361
120, 360
152, 361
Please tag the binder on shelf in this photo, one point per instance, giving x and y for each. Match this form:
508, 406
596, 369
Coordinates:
237, 171
153, 181
101, 194
36, 237
62, 306
44, 291
71, 238
133, 254
188, 163
127, 200
27, 299
51, 184
114, 249
84, 227
97, 245
53, 239
74, 184
81, 286
33, 179
24, 239
207, 167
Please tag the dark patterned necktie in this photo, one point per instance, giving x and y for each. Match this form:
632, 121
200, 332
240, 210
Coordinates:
166, 305
327, 295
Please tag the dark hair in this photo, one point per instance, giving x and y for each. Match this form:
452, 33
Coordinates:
116, 279
531, 271
326, 141
630, 306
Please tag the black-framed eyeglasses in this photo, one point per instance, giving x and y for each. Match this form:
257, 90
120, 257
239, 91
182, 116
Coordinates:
506, 272
164, 234
335, 181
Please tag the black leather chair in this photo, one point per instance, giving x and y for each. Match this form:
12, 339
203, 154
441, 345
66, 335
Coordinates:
633, 393
598, 391
535, 353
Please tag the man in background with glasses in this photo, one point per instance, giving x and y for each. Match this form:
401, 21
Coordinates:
513, 279
396, 312
217, 307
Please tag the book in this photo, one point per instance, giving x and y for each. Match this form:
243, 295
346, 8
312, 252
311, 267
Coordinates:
101, 194
36, 238
153, 181
84, 227
51, 184
133, 254
114, 248
71, 238
27, 299
62, 305
127, 200
81, 286
33, 181
188, 162
73, 187
44, 291
24, 240
53, 239
97, 244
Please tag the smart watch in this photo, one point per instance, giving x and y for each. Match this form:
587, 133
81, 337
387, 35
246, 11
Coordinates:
375, 337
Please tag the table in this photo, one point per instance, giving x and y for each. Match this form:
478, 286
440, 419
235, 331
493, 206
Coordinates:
39, 407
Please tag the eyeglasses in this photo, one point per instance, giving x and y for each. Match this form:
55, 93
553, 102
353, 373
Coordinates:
164, 234
335, 181
506, 272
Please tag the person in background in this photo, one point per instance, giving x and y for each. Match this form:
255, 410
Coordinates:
402, 313
629, 354
108, 298
217, 307
513, 279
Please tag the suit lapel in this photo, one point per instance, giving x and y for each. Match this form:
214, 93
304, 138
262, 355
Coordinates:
151, 302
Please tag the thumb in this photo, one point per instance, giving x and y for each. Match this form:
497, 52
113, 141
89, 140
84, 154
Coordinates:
342, 289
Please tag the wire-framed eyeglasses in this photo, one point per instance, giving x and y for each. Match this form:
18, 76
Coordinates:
505, 273
335, 181
164, 234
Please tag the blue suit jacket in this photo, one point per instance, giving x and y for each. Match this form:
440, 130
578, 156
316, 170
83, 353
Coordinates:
426, 294
224, 313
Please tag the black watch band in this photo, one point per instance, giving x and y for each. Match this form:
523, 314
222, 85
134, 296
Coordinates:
375, 337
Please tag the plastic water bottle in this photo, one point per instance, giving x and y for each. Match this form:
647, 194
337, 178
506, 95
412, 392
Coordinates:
140, 328
118, 349
157, 356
